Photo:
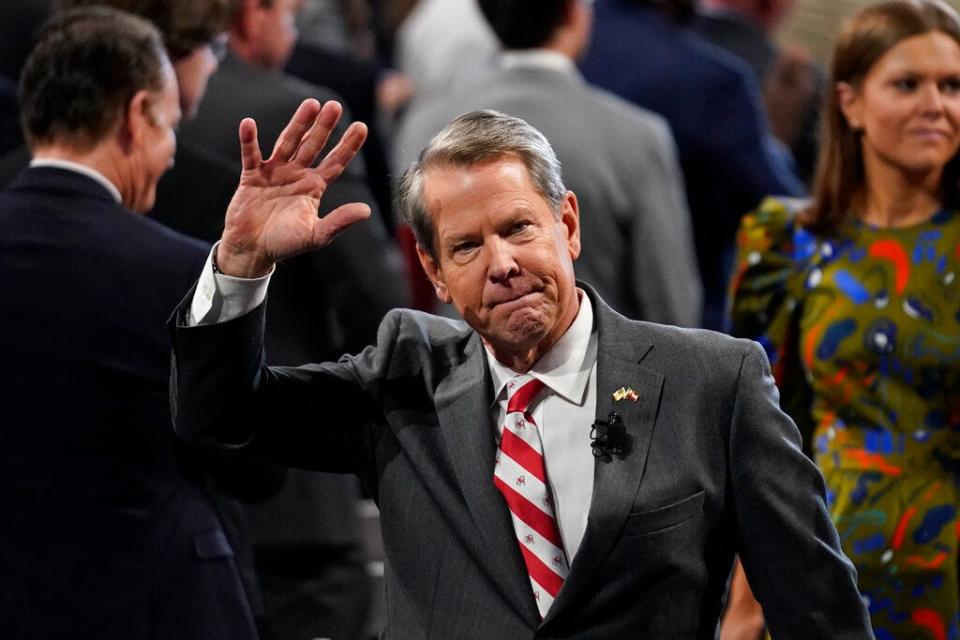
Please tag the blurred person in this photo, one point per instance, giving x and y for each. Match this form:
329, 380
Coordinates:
106, 532
619, 160
441, 45
854, 296
792, 85
309, 555
550, 532
729, 159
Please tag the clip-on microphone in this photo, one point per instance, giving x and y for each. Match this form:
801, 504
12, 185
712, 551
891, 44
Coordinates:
609, 438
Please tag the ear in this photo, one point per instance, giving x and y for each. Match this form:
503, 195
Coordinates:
433, 272
850, 104
570, 218
137, 118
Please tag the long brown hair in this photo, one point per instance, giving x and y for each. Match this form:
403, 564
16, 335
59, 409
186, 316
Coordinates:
865, 38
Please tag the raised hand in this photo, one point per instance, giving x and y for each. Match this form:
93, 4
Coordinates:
273, 214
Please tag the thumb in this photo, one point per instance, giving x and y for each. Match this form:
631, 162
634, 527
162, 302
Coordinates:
331, 225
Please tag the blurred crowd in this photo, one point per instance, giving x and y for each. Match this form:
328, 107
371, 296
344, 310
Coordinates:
674, 123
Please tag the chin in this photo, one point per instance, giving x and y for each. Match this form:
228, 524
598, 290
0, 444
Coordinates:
526, 328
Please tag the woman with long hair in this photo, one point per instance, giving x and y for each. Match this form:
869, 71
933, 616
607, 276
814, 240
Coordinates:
856, 297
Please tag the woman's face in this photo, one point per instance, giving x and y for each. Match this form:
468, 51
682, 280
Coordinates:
908, 107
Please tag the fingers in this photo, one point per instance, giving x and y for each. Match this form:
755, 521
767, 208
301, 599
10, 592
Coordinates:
316, 138
341, 155
330, 226
302, 120
250, 157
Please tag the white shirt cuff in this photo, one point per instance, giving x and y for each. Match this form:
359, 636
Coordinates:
219, 297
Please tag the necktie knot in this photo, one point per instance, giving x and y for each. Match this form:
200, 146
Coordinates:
521, 391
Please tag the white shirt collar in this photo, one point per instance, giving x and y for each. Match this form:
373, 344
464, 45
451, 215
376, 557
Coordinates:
91, 173
537, 59
566, 367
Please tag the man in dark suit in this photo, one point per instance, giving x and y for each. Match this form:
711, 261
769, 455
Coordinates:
475, 439
619, 159
791, 84
729, 159
106, 533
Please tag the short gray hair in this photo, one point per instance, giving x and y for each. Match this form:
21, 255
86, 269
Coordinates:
476, 137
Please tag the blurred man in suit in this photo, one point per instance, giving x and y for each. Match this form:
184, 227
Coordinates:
308, 549
619, 159
106, 533
792, 85
730, 160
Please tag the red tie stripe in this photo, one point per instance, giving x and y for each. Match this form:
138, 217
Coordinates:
521, 477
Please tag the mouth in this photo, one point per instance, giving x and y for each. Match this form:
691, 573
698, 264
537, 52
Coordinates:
515, 301
930, 134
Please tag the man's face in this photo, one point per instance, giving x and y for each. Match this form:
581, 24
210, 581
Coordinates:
276, 32
193, 72
156, 146
503, 257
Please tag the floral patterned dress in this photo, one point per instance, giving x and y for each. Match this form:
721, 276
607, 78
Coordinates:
863, 332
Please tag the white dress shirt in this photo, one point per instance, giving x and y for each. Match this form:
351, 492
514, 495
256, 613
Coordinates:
564, 417
537, 59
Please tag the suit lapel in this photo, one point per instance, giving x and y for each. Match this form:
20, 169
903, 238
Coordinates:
463, 407
617, 479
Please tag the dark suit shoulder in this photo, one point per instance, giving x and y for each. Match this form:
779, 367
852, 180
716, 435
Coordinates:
701, 353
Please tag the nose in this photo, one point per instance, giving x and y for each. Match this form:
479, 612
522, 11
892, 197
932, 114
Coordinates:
932, 100
501, 263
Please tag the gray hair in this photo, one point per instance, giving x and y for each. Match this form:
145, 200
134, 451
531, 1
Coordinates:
476, 137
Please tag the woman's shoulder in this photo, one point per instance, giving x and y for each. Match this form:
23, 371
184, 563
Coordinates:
772, 226
771, 251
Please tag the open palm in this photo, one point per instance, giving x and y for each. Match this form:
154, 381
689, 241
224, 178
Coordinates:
273, 214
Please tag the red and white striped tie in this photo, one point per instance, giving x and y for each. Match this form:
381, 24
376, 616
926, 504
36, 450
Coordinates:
521, 477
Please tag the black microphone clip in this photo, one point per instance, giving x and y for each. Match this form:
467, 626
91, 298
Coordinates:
610, 438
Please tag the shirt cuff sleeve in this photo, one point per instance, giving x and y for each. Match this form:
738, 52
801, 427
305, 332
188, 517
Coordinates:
219, 297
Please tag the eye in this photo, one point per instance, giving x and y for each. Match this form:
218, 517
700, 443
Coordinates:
950, 86
519, 227
466, 246
905, 85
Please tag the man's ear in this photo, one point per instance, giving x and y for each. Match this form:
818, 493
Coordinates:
138, 116
432, 270
570, 217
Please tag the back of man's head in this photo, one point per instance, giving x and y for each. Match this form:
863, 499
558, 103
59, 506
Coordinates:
525, 24
185, 25
85, 68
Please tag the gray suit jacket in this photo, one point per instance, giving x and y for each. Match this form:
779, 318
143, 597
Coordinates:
621, 162
713, 468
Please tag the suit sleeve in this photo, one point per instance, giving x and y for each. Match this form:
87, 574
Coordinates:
788, 545
223, 397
